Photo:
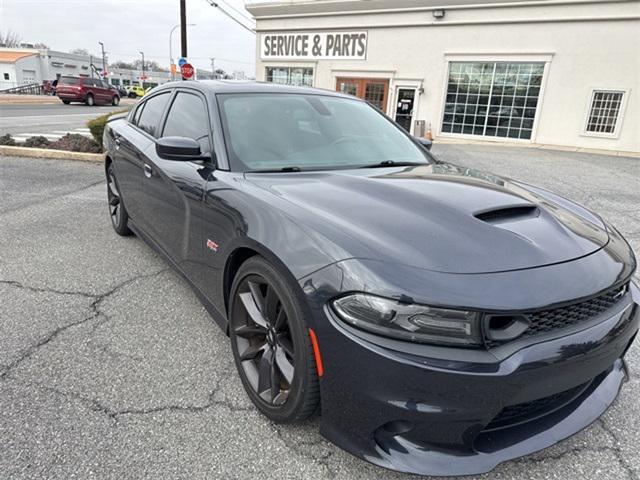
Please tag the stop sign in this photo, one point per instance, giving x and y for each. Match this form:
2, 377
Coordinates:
186, 70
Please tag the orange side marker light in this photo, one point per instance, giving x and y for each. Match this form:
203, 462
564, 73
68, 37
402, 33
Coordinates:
316, 352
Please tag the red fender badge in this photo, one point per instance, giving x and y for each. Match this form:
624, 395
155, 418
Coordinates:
211, 245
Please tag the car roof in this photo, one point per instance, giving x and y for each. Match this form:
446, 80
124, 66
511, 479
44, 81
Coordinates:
247, 86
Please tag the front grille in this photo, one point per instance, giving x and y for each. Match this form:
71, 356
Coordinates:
544, 321
522, 412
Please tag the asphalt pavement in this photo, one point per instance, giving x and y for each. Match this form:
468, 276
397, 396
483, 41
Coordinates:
111, 368
52, 121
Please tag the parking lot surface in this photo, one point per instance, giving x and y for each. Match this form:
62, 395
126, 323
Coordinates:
111, 368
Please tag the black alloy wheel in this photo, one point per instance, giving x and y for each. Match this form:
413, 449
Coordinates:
117, 211
270, 343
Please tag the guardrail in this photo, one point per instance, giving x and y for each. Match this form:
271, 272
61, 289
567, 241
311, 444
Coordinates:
30, 89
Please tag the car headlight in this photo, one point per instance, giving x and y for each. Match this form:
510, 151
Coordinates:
415, 323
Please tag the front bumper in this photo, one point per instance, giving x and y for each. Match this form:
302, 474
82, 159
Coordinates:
416, 413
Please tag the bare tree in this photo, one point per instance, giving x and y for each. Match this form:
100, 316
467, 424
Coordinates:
10, 39
80, 51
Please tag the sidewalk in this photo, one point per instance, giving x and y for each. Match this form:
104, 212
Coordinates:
541, 146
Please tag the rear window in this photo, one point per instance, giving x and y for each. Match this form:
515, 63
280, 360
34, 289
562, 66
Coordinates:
68, 80
151, 113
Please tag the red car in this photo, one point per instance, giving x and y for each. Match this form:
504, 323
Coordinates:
91, 91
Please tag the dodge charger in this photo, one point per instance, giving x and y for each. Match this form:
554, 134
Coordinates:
440, 320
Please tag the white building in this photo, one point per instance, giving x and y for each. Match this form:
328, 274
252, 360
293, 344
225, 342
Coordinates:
25, 66
558, 72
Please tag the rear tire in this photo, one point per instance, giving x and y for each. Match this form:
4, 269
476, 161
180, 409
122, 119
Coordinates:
271, 344
117, 210
89, 100
66, 102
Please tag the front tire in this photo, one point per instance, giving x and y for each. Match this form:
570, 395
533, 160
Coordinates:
117, 211
115, 101
89, 100
66, 102
271, 344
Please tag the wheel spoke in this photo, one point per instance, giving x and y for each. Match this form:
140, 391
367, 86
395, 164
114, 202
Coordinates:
284, 365
265, 375
258, 298
281, 320
285, 344
252, 351
252, 309
114, 201
112, 186
250, 331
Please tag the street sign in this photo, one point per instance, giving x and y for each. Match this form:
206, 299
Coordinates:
182, 61
186, 70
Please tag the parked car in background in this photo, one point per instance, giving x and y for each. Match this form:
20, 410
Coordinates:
137, 91
91, 91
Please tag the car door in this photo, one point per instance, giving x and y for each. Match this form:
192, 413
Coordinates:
105, 92
132, 140
173, 190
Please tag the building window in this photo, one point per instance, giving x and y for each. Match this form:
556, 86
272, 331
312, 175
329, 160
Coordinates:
291, 76
604, 110
6, 76
492, 99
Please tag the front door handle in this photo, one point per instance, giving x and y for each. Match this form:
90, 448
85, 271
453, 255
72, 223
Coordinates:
147, 171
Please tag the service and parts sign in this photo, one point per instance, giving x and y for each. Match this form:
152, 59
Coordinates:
315, 45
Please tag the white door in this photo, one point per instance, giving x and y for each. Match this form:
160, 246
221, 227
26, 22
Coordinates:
28, 77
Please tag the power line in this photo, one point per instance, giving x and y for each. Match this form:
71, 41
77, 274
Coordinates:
216, 5
237, 11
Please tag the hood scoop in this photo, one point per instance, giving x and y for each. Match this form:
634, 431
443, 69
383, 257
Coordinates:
508, 214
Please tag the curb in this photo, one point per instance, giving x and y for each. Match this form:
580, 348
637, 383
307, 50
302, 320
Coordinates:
538, 146
11, 151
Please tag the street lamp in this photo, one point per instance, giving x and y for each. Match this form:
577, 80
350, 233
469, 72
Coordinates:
171, 45
104, 63
142, 53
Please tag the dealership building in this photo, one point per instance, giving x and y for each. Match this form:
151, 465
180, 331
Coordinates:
553, 72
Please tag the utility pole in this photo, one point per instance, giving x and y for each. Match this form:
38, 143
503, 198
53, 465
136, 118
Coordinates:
104, 63
142, 53
183, 29
213, 68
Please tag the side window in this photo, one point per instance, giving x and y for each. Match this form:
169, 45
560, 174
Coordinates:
136, 114
188, 118
151, 113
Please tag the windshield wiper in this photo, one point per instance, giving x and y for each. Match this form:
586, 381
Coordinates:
393, 163
277, 170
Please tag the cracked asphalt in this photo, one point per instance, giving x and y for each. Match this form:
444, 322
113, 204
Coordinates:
111, 368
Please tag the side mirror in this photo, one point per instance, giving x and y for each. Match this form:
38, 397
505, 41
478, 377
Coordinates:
178, 148
425, 142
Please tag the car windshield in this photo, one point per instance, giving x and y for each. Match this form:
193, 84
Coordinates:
68, 80
267, 132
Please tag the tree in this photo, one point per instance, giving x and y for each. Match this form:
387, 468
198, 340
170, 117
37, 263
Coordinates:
10, 39
123, 65
80, 51
42, 46
149, 65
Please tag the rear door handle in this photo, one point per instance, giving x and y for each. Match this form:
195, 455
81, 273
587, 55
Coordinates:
147, 171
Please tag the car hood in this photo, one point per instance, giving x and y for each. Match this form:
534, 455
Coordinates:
439, 217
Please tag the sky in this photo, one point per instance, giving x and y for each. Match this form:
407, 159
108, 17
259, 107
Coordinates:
127, 27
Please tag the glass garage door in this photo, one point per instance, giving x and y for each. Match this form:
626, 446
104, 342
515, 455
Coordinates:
493, 99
